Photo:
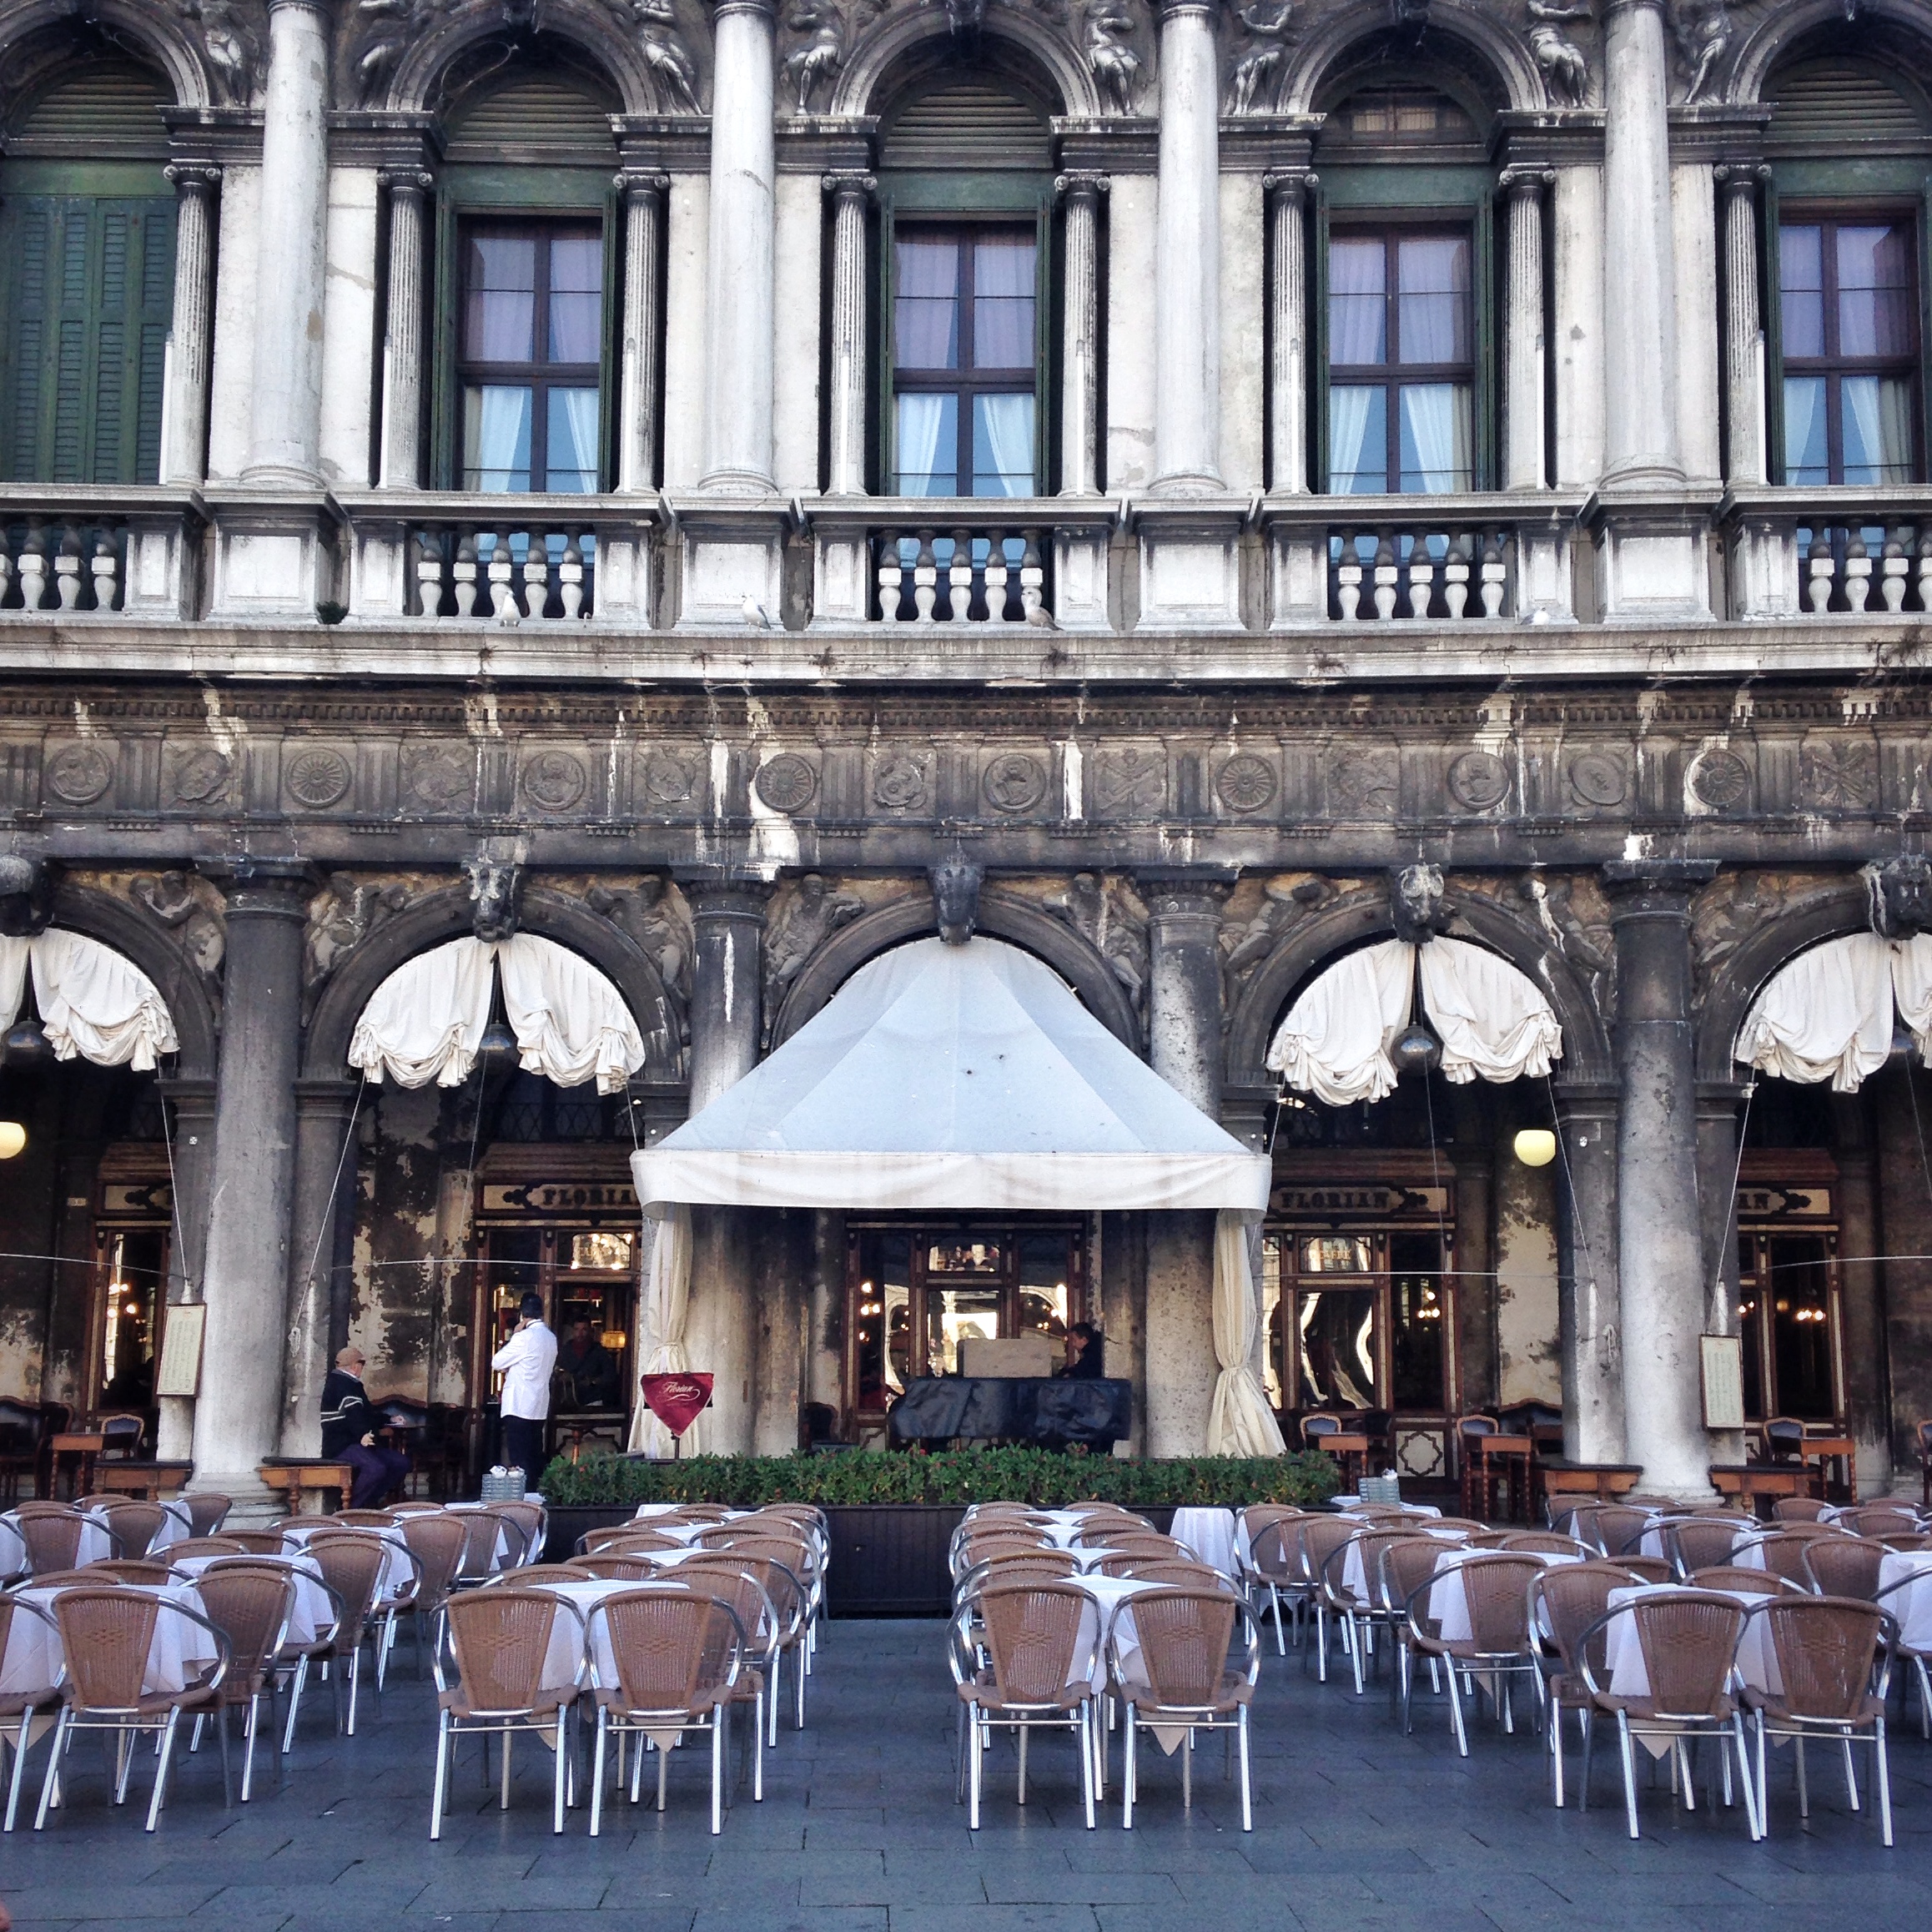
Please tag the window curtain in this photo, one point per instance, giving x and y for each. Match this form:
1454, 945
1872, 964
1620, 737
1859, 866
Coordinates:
499, 439
1877, 429
1828, 1014
1240, 1421
426, 1021
1435, 437
571, 1022
1002, 446
572, 457
666, 1300
94, 1004
1353, 469
1806, 458
1492, 1019
1335, 1041
922, 422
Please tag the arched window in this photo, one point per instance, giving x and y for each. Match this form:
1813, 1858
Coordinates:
87, 234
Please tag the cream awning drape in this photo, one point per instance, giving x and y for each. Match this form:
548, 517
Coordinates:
425, 1021
1828, 1014
1240, 1421
94, 1004
1493, 1022
666, 1300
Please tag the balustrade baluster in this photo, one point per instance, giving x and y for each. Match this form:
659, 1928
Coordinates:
33, 566
105, 568
925, 580
1857, 569
1348, 579
67, 568
570, 574
429, 574
1896, 566
6, 564
1031, 578
1821, 571
1456, 577
1421, 576
1385, 574
464, 571
1495, 575
996, 577
503, 577
1922, 553
959, 578
536, 574
889, 569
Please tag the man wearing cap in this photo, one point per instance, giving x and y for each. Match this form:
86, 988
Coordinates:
349, 1421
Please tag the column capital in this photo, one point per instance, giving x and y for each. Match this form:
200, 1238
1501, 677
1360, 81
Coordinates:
406, 180
765, 10
1181, 896
1612, 8
193, 176
1173, 10
1525, 181
1290, 183
640, 184
274, 889
1082, 185
1741, 178
326, 8
853, 185
723, 898
1648, 887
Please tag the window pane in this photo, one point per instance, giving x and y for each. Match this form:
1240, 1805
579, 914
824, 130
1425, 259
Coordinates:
1807, 454
500, 318
1003, 445
884, 1319
926, 305
570, 427
1357, 303
1002, 289
1358, 441
957, 1314
1337, 1337
1433, 279
1801, 278
576, 298
928, 445
1875, 292
495, 437
1046, 1287
1801, 1327
1417, 1348
1435, 423
1877, 429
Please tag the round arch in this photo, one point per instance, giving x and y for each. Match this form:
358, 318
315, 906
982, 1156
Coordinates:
902, 34
1001, 916
445, 915
127, 930
414, 85
1783, 29
1509, 60
1364, 914
139, 29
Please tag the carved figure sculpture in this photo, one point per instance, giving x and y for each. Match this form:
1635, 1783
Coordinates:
173, 898
381, 33
1900, 896
956, 883
495, 891
339, 921
823, 53
1283, 903
26, 896
1117, 938
1704, 43
1115, 66
664, 54
816, 913
1416, 899
965, 18
1563, 65
1263, 60
231, 45
648, 918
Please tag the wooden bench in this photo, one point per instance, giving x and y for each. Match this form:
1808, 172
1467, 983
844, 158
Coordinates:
1760, 1482
297, 1482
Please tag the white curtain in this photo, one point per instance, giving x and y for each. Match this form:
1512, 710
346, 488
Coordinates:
426, 1021
571, 1022
1003, 445
661, 1343
1435, 436
1240, 1422
94, 1005
1349, 409
1334, 1043
12, 979
1828, 1014
496, 428
572, 457
1490, 1018
1807, 458
1911, 987
922, 419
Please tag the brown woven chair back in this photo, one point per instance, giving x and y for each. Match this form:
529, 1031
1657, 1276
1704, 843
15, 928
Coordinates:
1741, 1577
1700, 1541
528, 1516
1570, 1597
248, 1600
256, 1543
501, 1637
1880, 1520
1543, 1542
119, 1570
621, 1566
1496, 1589
673, 1648
207, 1510
1844, 1566
1405, 1564
1689, 1640
1183, 1637
795, 1556
732, 1583
437, 1543
1179, 1574
1799, 1509
483, 1530
1824, 1646
623, 1537
532, 1574
192, 1546
975, 1550
105, 1634
351, 1565
1576, 1519
1645, 1569
1615, 1527
1317, 1538
1917, 1541
134, 1525
1032, 1634
1782, 1554
1372, 1543
1146, 1544
366, 1518
1271, 1550
53, 1537
88, 1578
1257, 1516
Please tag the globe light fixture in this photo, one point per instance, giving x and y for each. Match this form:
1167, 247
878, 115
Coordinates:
1536, 1146
12, 1139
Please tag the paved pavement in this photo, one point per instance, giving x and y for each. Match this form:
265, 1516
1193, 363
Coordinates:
1357, 1830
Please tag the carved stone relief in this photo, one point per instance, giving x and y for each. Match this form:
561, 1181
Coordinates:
1899, 894
1837, 774
1599, 781
669, 779
1129, 783
652, 914
438, 778
1258, 67
662, 42
1718, 780
376, 34
815, 34
79, 773
1703, 28
902, 781
1575, 917
801, 920
198, 776
1107, 45
26, 895
1478, 781
1246, 783
1364, 782
1254, 924
1730, 909
233, 38
1566, 70
191, 907
555, 780
341, 916
786, 782
495, 896
1106, 912
1014, 781
316, 777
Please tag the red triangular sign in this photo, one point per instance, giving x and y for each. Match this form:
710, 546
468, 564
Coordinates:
675, 1399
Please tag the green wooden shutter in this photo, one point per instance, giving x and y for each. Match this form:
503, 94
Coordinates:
609, 403
1045, 316
1771, 314
888, 456
444, 416
1924, 451
87, 330
1318, 347
1488, 348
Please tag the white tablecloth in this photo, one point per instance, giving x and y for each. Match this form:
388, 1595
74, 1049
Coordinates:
1210, 1533
1449, 1601
172, 1530
1354, 1577
1913, 1604
1107, 1595
567, 1638
96, 1544
12, 1549
312, 1611
398, 1569
179, 1645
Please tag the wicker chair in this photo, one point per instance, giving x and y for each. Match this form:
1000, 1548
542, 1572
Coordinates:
105, 1636
492, 1542
1782, 1551
114, 1570
191, 1549
1565, 1601
1361, 1611
1317, 1539
532, 1521
133, 1525
677, 1657
501, 1638
436, 1542
624, 1536
52, 1533
1499, 1646
1833, 1684
972, 1551
533, 1575
1646, 1569
791, 1592
352, 1565
29, 1701
741, 1581
207, 1510
619, 1565
1178, 1675
1744, 1580
1405, 1564
257, 1543
1880, 1519
1793, 1509
1544, 1543
1697, 1543
1617, 1529
1271, 1565
249, 1600
1689, 1640
1919, 1660
1181, 1573
1036, 1567
1844, 1567
366, 1518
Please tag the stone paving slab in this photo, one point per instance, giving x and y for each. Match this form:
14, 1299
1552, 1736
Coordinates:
1358, 1829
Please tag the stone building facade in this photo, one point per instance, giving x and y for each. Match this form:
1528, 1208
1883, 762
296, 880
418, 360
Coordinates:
664, 476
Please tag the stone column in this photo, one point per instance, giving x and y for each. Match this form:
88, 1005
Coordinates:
1590, 1321
1187, 255
644, 194
1477, 1342
1640, 291
739, 281
1659, 1232
325, 1185
1862, 1295
1080, 346
286, 429
406, 345
1745, 457
1718, 1125
1288, 331
1523, 340
850, 369
239, 1414
192, 336
727, 942
1184, 1002
191, 1108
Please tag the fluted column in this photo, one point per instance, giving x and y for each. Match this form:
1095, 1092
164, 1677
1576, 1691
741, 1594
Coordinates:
739, 281
1288, 331
849, 192
1187, 255
1522, 349
325, 1187
403, 349
1080, 347
192, 334
643, 192
1590, 1323
191, 1106
286, 426
1746, 458
1640, 288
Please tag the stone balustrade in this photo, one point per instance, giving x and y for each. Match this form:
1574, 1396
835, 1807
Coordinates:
961, 577
1829, 553
68, 552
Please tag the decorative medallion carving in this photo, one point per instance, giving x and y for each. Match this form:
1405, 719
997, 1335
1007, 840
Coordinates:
1245, 782
1598, 780
669, 779
437, 779
192, 908
786, 782
902, 782
1130, 780
1720, 780
1365, 784
77, 774
1479, 781
1014, 781
554, 781
316, 777
200, 775
1837, 775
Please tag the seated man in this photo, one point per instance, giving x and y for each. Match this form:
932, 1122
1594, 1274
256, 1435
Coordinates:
590, 1366
349, 1421
1086, 1348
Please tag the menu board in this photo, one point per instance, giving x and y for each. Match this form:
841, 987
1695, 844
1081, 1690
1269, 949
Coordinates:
1722, 1361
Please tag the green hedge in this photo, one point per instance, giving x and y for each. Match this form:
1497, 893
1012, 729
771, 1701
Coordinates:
1034, 1475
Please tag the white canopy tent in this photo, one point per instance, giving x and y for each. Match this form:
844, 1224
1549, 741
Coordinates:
1829, 1014
94, 1004
969, 1077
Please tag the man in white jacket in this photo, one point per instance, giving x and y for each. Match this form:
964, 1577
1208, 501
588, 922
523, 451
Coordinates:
526, 1360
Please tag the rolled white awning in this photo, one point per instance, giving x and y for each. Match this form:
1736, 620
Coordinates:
94, 1004
953, 1076
1828, 1015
